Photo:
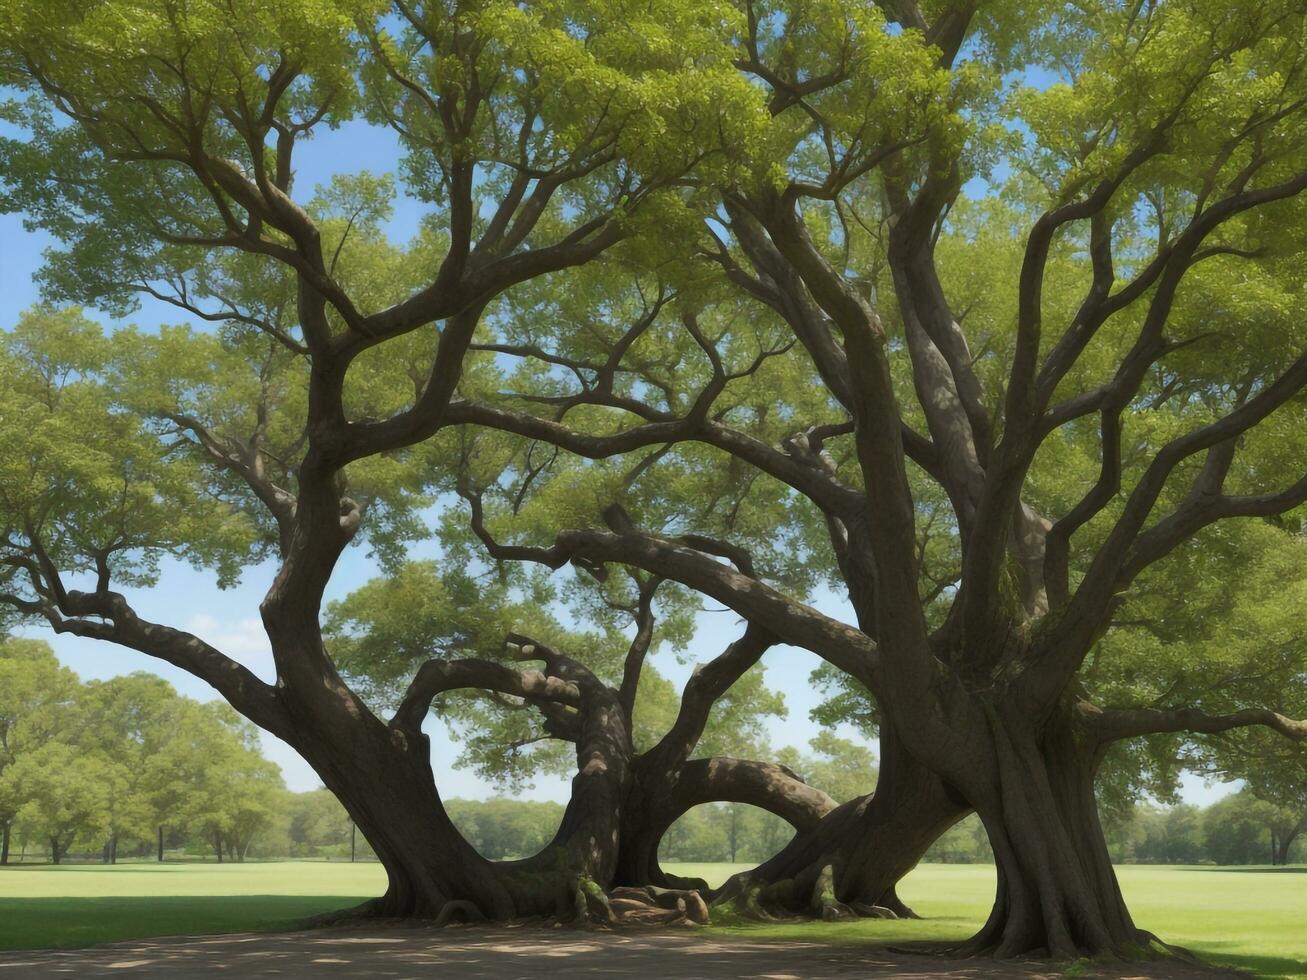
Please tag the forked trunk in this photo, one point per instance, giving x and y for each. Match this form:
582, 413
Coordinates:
383, 777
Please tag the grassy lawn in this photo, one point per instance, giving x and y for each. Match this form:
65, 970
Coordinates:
1253, 918
78, 905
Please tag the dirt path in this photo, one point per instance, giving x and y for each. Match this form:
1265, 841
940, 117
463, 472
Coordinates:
509, 954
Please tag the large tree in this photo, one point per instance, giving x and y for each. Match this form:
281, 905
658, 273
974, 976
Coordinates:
537, 137
1129, 376
719, 257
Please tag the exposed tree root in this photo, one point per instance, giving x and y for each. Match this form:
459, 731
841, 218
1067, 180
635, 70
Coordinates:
781, 901
866, 911
642, 905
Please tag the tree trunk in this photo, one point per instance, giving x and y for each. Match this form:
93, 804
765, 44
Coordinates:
1033, 787
1286, 839
851, 861
161, 843
4, 843
382, 776
54, 850
619, 811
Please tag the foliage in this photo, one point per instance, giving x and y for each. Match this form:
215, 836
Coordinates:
986, 321
115, 760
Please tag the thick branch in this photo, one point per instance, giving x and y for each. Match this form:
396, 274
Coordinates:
1111, 724
440, 676
114, 620
821, 487
768, 786
704, 688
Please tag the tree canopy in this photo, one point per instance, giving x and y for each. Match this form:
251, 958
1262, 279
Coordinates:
983, 318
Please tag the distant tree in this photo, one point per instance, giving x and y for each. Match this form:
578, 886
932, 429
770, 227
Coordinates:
964, 843
840, 767
210, 778
236, 793
1238, 830
36, 695
697, 837
126, 722
1175, 835
65, 798
1273, 773
502, 828
319, 825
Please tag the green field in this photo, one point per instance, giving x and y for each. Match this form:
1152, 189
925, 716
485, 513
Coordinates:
1253, 918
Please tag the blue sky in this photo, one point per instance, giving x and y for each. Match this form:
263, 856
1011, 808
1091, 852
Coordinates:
229, 619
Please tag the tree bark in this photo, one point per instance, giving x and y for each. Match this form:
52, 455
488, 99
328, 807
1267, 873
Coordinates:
54, 850
620, 808
1033, 787
161, 843
4, 843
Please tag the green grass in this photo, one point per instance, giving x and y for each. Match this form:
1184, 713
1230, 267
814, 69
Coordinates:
1252, 918
77, 905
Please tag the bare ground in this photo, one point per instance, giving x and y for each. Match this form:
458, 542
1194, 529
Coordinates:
513, 953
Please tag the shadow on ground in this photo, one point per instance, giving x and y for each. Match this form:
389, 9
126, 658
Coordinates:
1260, 966
514, 953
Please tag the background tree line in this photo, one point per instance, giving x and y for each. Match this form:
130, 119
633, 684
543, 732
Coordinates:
1238, 829
123, 766
128, 767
